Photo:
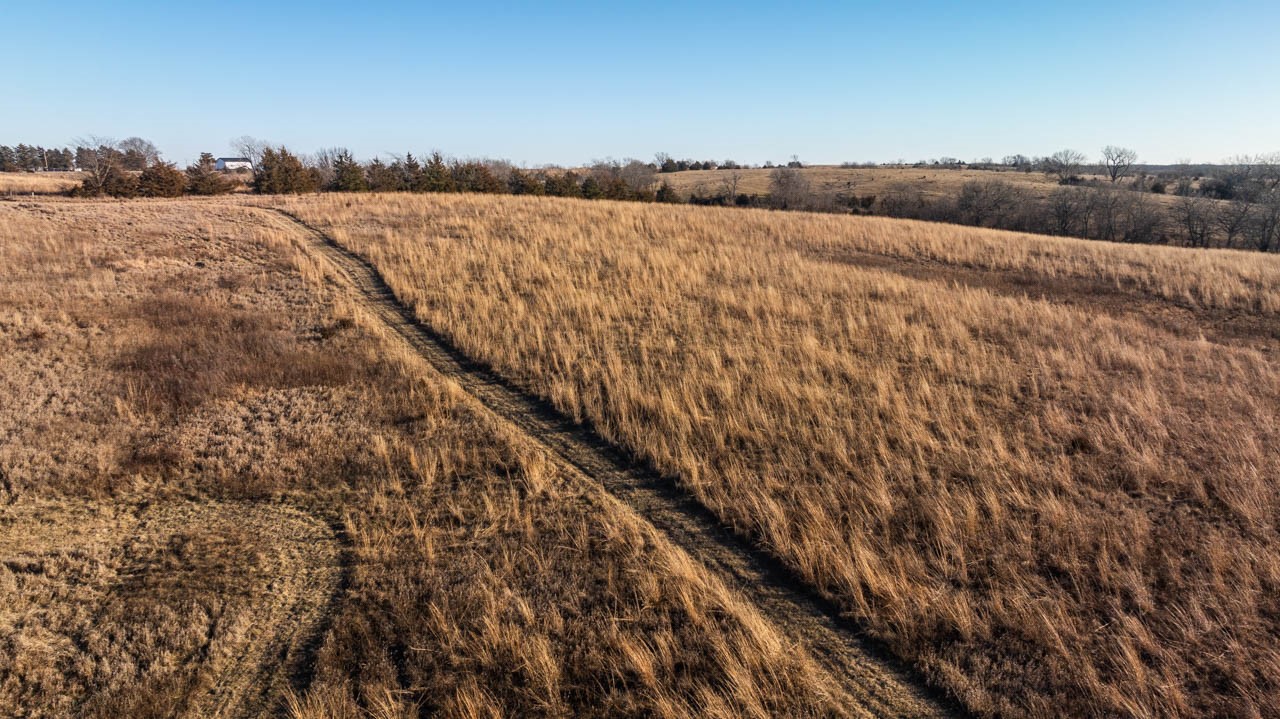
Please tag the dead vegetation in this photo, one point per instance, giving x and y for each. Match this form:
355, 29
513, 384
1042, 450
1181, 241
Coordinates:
1051, 508
37, 183
181, 385
826, 179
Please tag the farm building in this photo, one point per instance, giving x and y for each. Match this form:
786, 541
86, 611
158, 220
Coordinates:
234, 163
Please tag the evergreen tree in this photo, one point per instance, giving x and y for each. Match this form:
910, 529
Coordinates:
203, 177
474, 176
522, 182
667, 193
119, 183
162, 179
591, 189
412, 175
58, 159
281, 172
564, 184
615, 188
383, 177
348, 175
27, 157
437, 177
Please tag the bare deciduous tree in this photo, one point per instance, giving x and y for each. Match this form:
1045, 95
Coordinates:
1118, 161
323, 161
788, 188
638, 175
986, 202
1265, 229
1142, 217
250, 148
1194, 214
1233, 217
139, 153
1064, 163
1066, 210
98, 157
730, 182
1268, 170
902, 199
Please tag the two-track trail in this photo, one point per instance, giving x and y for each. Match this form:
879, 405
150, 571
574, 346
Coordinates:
874, 683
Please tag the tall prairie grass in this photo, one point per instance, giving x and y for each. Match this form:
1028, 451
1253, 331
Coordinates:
1051, 509
178, 377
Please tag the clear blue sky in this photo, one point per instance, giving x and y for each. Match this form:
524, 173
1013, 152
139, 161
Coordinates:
566, 82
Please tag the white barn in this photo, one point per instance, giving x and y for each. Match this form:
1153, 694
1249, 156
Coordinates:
233, 163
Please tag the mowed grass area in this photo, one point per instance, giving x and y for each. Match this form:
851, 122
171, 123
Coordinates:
38, 183
224, 489
1042, 470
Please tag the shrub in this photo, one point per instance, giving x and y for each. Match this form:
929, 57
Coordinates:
615, 188
162, 179
565, 184
108, 180
667, 193
475, 176
522, 182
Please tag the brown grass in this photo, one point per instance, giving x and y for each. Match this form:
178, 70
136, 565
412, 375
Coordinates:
1052, 508
182, 385
825, 179
38, 183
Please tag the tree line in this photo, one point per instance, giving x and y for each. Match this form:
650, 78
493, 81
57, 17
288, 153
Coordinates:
277, 170
1233, 205
132, 154
1238, 207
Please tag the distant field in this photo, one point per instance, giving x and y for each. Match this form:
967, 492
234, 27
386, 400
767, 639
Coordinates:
856, 180
39, 183
1040, 469
849, 181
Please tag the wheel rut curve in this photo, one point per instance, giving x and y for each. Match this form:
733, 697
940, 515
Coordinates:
874, 682
293, 615
282, 567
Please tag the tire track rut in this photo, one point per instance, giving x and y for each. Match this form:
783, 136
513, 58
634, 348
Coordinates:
272, 571
874, 682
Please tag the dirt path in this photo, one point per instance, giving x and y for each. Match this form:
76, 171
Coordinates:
875, 684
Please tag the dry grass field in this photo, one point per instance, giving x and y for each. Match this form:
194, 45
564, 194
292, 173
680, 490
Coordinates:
1041, 470
829, 179
37, 183
226, 491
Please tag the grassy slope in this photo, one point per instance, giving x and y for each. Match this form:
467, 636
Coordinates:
171, 360
1052, 507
